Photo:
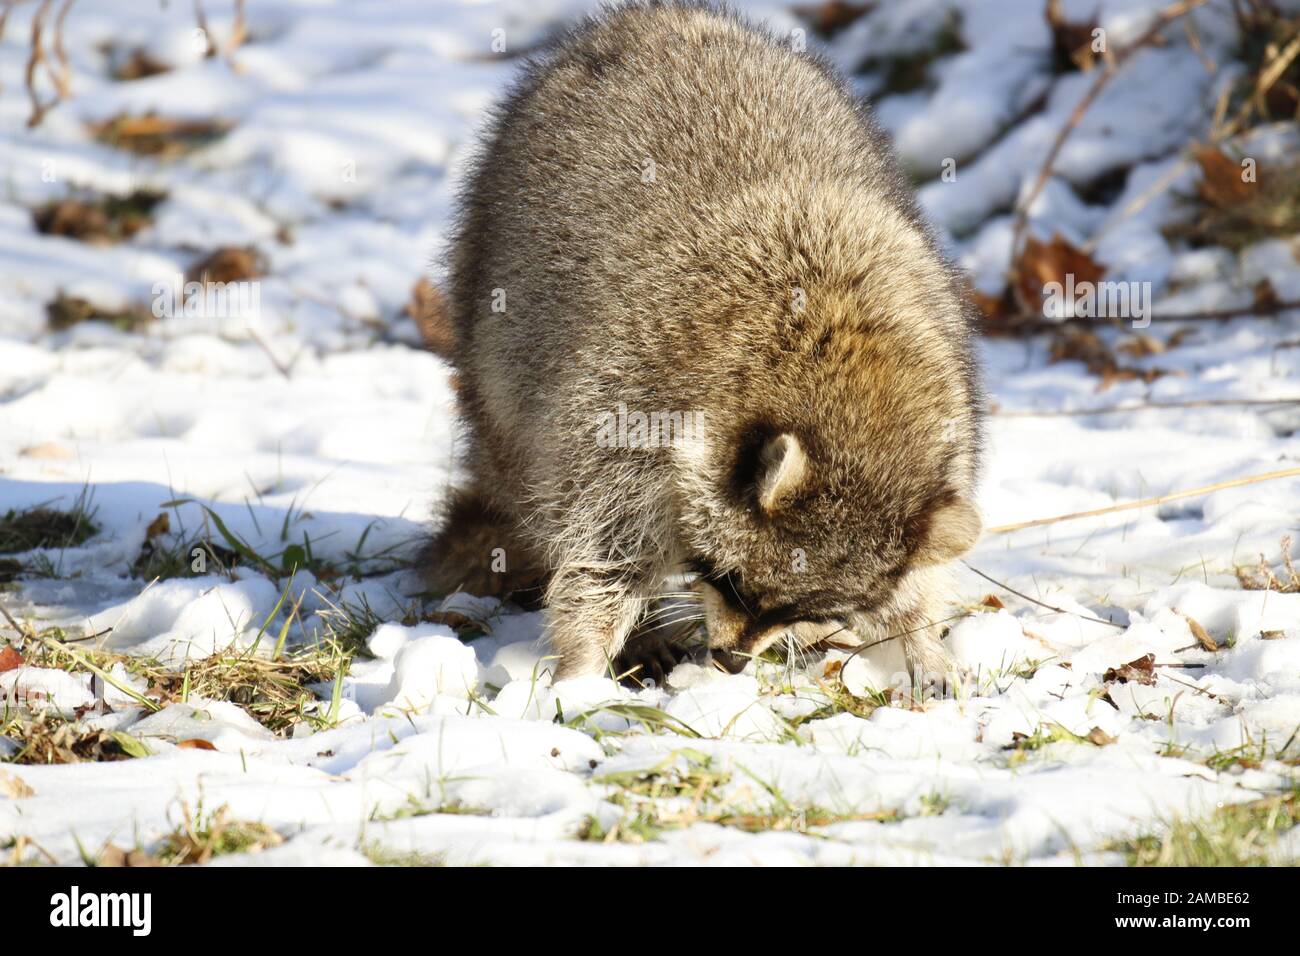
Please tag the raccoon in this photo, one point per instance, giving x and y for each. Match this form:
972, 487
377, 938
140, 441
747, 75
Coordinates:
676, 216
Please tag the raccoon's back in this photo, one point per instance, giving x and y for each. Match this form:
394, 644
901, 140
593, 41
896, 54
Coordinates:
605, 162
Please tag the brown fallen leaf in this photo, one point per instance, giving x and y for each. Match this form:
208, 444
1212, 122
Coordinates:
196, 743
10, 659
1264, 296
73, 219
831, 16
138, 65
114, 856
992, 601
228, 264
1201, 634
1222, 185
1271, 635
1044, 263
158, 526
1100, 737
1071, 344
1140, 671
1071, 39
159, 136
832, 669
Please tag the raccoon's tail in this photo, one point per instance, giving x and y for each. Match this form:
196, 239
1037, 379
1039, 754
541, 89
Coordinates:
478, 549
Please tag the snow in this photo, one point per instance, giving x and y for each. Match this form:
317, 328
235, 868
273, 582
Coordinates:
313, 419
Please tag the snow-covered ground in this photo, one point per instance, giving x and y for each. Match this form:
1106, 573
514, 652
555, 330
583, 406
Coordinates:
317, 418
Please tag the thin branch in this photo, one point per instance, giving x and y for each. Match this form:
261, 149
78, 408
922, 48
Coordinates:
1110, 69
62, 77
1030, 322
34, 60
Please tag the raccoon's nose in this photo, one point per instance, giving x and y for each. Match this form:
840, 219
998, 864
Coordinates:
729, 662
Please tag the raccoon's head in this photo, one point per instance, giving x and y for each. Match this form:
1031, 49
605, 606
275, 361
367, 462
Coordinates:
816, 540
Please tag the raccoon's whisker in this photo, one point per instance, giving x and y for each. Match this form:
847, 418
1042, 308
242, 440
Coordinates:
893, 637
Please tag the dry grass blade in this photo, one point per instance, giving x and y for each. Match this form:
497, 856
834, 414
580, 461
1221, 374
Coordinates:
1146, 502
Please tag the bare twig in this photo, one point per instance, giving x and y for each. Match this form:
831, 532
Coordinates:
35, 58
238, 34
1147, 502
62, 77
1031, 322
1111, 67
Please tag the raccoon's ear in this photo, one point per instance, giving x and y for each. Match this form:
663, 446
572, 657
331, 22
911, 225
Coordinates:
782, 467
951, 529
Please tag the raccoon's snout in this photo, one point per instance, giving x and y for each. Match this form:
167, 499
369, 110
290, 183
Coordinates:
729, 662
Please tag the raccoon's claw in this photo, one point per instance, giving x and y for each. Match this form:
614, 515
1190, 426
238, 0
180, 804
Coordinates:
648, 656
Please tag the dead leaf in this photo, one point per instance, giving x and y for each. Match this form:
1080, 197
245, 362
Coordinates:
1080, 345
1140, 671
138, 65
1044, 263
160, 136
1201, 634
10, 659
1221, 183
1271, 635
14, 787
196, 743
1100, 737
1265, 296
229, 264
1071, 39
158, 526
832, 669
832, 16
992, 601
114, 856
73, 219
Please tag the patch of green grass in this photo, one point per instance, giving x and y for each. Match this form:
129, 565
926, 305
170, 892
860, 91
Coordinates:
272, 688
64, 311
45, 527
200, 838
1243, 834
688, 788
649, 719
214, 547
1047, 734
47, 738
381, 855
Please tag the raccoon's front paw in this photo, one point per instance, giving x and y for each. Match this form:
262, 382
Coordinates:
648, 655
